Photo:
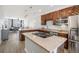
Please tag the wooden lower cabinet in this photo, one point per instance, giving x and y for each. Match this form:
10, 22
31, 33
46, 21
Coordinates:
22, 37
66, 36
43, 20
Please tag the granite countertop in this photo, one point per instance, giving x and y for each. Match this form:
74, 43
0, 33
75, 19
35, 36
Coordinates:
50, 43
31, 29
59, 31
53, 30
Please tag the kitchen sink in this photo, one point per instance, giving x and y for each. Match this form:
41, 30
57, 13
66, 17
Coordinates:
43, 34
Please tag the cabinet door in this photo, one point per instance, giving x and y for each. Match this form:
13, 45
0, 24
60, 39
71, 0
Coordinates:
63, 13
56, 16
48, 16
76, 10
43, 19
67, 12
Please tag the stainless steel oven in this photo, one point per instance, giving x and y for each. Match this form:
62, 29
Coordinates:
74, 34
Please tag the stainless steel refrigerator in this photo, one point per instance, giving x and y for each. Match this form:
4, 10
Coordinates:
73, 41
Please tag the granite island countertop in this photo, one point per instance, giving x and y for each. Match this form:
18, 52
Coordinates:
50, 43
44, 29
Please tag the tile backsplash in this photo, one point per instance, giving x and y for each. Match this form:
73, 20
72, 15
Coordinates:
58, 27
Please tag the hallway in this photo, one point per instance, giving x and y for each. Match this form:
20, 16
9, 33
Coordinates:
12, 45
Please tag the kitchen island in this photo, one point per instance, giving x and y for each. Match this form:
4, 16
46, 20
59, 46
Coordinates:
36, 44
60, 32
25, 30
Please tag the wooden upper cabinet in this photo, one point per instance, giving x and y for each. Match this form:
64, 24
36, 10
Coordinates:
43, 19
69, 11
56, 15
66, 12
49, 16
46, 17
63, 13
76, 10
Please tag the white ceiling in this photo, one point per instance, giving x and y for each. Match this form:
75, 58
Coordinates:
25, 10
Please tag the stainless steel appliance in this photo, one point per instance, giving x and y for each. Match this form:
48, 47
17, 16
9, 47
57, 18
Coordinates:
45, 34
73, 42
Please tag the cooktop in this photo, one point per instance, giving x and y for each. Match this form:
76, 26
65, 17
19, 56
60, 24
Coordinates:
43, 34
